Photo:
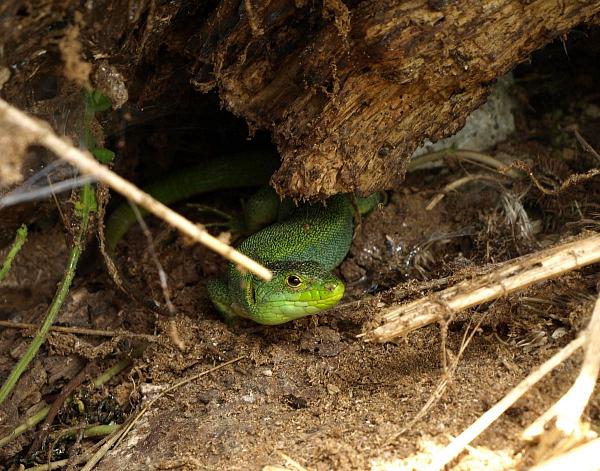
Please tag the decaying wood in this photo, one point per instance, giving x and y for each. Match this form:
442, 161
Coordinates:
350, 89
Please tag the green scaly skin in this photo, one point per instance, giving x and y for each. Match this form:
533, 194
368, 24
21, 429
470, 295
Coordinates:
301, 247
249, 169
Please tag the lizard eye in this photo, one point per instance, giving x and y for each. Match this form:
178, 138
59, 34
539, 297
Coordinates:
293, 281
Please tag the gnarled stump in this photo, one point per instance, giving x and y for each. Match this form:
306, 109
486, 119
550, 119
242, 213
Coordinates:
350, 89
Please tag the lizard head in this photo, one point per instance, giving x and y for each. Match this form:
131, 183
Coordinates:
297, 289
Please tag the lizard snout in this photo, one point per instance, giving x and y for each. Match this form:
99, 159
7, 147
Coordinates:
330, 286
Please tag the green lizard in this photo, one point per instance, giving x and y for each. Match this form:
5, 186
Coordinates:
301, 247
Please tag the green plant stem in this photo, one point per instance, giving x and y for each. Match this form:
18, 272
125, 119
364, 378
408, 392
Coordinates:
42, 413
29, 423
57, 302
89, 432
20, 239
100, 430
111, 372
86, 204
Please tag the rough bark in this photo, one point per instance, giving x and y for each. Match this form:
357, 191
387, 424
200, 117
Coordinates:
350, 89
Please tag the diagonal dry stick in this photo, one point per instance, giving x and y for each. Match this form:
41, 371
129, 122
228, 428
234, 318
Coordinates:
42, 134
483, 422
127, 426
569, 409
507, 278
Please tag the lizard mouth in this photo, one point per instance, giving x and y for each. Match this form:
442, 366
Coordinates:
296, 305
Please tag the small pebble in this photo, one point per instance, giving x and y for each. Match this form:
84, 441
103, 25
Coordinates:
267, 373
558, 333
4, 76
592, 110
249, 398
150, 391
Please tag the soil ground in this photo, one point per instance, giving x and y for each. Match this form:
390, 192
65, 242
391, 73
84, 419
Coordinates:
311, 390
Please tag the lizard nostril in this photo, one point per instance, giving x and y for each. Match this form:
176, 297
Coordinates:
330, 286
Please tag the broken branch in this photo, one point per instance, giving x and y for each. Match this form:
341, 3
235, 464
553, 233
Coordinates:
512, 276
86, 164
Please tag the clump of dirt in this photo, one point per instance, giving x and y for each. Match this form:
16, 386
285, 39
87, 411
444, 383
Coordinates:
311, 390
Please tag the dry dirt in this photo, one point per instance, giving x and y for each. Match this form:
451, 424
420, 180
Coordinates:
310, 390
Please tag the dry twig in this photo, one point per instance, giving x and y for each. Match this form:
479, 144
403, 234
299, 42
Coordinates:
569, 409
454, 186
480, 425
32, 421
509, 277
81, 331
585, 143
88, 165
572, 180
442, 384
120, 434
65, 392
487, 161
164, 284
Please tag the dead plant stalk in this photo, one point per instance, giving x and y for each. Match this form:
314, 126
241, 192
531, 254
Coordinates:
581, 458
457, 445
567, 411
507, 278
86, 164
